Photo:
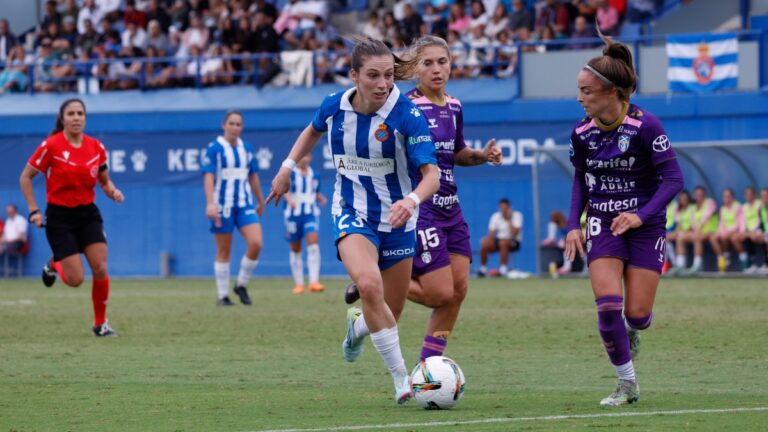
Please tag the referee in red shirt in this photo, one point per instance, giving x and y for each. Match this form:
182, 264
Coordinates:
73, 163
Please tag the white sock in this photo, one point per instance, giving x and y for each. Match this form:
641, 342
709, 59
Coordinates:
697, 262
360, 327
483, 268
221, 272
503, 269
297, 268
626, 371
551, 231
387, 343
566, 264
313, 262
627, 325
680, 261
246, 270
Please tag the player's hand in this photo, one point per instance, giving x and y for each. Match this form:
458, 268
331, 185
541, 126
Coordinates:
212, 211
117, 195
280, 185
322, 200
624, 222
574, 242
400, 212
260, 208
491, 152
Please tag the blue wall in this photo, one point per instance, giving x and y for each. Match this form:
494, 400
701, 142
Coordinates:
154, 160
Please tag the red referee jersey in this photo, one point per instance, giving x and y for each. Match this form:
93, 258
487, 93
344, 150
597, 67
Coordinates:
70, 172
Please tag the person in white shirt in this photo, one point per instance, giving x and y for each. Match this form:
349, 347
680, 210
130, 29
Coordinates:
15, 232
504, 236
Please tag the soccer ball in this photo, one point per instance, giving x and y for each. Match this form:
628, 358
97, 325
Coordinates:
437, 383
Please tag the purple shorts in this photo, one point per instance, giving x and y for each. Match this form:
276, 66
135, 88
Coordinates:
640, 247
435, 241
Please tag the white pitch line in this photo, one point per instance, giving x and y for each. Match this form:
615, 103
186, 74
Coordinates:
522, 419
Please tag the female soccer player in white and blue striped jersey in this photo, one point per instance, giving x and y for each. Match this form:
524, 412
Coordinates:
302, 214
230, 181
379, 140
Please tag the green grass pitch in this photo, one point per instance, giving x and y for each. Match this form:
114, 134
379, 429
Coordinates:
529, 349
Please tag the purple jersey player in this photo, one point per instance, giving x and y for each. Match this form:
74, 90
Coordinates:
626, 174
443, 249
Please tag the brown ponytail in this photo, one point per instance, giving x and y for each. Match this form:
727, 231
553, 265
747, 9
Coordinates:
615, 65
367, 47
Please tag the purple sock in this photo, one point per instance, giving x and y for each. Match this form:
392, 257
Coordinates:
611, 326
641, 323
432, 346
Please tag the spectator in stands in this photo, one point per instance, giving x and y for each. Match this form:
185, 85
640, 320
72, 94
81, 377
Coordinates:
305, 11
225, 32
520, 16
133, 37
269, 10
7, 40
458, 20
546, 34
157, 12
323, 35
499, 21
389, 26
607, 18
442, 7
459, 55
506, 52
703, 226
113, 73
157, 39
585, 8
581, 31
478, 15
480, 52
48, 73
373, 28
88, 39
437, 24
524, 35
179, 13
88, 12
69, 32
14, 77
504, 235
68, 8
753, 234
196, 35
729, 232
263, 38
620, 6
110, 8
410, 25
555, 15
14, 235
157, 74
133, 15
50, 15
215, 69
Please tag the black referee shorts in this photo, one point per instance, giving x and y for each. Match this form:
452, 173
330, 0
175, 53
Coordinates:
70, 229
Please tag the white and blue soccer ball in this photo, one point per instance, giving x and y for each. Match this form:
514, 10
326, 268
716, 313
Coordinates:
437, 383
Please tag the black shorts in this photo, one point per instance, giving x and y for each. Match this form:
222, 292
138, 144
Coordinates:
514, 245
71, 229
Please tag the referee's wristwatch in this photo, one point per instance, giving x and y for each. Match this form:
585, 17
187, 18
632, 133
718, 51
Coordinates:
32, 213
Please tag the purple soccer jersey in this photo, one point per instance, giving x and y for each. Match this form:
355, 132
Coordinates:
619, 168
441, 228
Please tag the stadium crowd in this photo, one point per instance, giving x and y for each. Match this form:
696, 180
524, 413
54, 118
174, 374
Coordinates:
122, 44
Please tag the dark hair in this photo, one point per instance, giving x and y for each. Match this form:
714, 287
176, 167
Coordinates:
615, 65
368, 47
60, 118
504, 201
750, 188
683, 192
231, 113
702, 188
730, 191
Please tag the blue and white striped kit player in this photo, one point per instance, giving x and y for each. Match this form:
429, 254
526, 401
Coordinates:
231, 166
304, 217
376, 157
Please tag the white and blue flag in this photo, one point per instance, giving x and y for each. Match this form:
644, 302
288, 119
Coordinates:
702, 62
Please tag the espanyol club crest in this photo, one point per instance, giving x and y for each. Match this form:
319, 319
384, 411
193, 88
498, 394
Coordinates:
426, 257
703, 65
381, 133
623, 143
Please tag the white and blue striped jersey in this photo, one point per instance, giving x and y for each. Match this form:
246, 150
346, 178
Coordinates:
231, 166
376, 156
304, 189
